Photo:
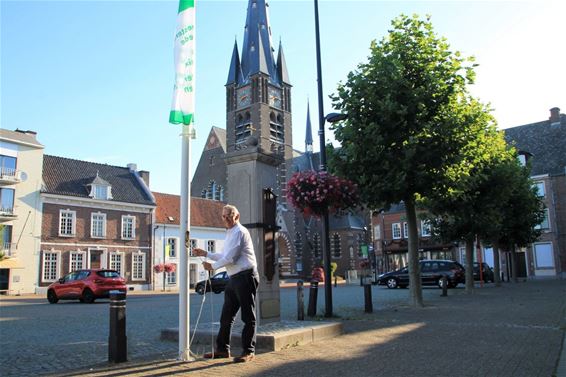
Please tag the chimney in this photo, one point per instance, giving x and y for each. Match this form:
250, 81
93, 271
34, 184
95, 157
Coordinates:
132, 167
145, 176
554, 115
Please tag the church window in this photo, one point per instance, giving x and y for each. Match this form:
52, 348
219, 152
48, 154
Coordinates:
335, 246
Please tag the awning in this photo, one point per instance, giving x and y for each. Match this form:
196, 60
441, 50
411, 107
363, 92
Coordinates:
12, 263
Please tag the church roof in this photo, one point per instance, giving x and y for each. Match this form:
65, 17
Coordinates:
257, 49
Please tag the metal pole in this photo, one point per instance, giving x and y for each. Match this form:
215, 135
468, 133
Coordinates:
184, 308
321, 120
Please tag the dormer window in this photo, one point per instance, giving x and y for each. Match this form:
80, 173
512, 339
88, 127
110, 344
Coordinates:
100, 189
101, 192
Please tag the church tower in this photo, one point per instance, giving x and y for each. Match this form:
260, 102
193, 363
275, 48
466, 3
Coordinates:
258, 95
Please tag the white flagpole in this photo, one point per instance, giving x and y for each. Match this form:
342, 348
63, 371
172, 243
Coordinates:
184, 300
182, 111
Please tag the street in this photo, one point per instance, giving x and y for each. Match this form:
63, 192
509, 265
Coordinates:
39, 338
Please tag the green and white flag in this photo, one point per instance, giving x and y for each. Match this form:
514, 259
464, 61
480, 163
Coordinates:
183, 107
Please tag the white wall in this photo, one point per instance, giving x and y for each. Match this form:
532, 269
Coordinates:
201, 235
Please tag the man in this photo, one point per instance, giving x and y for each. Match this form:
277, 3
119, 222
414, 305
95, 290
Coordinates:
238, 257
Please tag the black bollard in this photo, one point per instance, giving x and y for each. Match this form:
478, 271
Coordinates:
300, 301
117, 340
335, 281
367, 298
313, 293
444, 286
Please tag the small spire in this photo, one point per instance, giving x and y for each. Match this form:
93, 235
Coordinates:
282, 65
308, 137
235, 72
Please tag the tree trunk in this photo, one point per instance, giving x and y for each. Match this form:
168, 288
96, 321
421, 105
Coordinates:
415, 290
496, 265
470, 265
514, 265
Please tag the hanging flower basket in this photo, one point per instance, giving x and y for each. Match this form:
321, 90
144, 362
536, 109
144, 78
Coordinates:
312, 192
159, 268
170, 267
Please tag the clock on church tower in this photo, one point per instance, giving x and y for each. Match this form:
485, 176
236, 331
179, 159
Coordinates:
244, 96
274, 97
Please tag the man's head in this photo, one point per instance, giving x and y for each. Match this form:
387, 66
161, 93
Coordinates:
230, 216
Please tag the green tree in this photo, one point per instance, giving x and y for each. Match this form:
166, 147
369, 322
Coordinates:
474, 208
521, 210
412, 129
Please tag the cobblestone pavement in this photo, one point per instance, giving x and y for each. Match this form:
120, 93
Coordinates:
514, 330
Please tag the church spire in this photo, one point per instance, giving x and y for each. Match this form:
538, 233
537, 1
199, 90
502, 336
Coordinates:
308, 138
282, 66
257, 50
235, 73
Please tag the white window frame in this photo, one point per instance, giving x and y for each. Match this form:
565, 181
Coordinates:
541, 188
171, 277
377, 232
112, 264
211, 246
396, 231
82, 265
333, 246
173, 247
426, 228
135, 256
405, 230
103, 215
57, 261
73, 219
545, 267
547, 220
133, 225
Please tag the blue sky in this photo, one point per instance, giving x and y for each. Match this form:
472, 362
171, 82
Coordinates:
95, 78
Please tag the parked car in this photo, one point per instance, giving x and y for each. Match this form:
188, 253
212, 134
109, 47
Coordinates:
217, 283
432, 272
487, 272
86, 286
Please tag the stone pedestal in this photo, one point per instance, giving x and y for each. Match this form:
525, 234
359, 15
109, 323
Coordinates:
250, 171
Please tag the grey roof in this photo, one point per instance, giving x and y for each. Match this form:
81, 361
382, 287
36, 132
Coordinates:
20, 137
346, 221
99, 181
65, 176
306, 161
257, 50
545, 141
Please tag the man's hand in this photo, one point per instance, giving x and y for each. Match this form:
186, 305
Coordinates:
207, 266
199, 252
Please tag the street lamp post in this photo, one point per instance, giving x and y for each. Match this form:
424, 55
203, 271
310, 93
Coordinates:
331, 118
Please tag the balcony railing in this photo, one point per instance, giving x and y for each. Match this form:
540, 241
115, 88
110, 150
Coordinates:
9, 176
7, 214
9, 249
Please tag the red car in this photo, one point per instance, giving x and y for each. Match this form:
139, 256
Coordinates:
86, 286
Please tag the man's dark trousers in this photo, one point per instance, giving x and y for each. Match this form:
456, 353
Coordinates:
240, 293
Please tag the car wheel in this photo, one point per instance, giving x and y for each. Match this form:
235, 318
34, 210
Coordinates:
88, 296
52, 297
217, 291
200, 289
391, 283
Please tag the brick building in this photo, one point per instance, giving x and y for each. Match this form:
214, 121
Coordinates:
95, 216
